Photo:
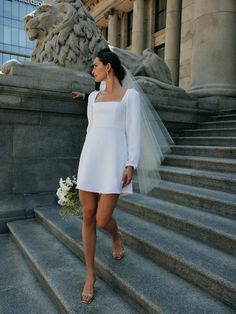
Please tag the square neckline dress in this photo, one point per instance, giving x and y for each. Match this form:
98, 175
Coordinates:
112, 142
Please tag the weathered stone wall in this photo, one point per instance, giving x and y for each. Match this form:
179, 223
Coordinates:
42, 133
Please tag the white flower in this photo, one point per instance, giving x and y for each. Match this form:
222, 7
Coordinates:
74, 180
61, 194
65, 189
61, 182
62, 203
69, 182
63, 198
58, 192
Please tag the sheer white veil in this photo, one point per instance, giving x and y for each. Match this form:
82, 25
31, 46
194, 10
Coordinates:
155, 139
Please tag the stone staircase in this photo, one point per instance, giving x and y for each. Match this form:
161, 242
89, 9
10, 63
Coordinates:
180, 241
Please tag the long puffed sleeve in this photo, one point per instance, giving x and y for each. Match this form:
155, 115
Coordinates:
90, 109
133, 128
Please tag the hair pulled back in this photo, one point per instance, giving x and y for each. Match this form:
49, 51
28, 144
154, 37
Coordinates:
106, 57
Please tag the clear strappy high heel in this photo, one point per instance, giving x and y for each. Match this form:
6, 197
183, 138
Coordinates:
87, 298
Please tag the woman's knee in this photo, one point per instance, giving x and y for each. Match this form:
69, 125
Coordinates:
105, 209
101, 222
89, 202
89, 215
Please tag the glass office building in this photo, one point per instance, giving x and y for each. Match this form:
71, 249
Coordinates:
14, 43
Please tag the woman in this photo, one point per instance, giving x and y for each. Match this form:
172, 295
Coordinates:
108, 159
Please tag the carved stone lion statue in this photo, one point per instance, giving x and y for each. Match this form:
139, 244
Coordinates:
66, 35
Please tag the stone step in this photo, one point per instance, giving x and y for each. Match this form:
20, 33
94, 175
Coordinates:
212, 229
61, 272
15, 207
201, 163
208, 268
227, 111
224, 116
162, 290
205, 141
211, 132
217, 202
217, 124
204, 151
208, 179
20, 292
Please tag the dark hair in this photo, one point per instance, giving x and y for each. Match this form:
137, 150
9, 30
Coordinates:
107, 56
107, 49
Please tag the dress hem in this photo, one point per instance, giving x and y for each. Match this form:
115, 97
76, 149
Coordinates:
101, 192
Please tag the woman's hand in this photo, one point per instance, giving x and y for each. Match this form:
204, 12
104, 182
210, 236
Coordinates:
76, 95
127, 175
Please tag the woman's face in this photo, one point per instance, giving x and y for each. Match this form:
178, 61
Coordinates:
99, 70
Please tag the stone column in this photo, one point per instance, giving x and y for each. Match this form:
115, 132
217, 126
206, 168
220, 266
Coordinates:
172, 38
149, 38
138, 27
113, 28
213, 61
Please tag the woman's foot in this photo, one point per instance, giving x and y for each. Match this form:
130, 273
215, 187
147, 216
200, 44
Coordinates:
117, 247
87, 295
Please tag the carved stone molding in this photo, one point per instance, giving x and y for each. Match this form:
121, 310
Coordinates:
113, 12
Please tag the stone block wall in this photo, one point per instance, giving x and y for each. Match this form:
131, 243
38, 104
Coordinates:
42, 134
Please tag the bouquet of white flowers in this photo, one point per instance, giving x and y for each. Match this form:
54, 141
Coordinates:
68, 197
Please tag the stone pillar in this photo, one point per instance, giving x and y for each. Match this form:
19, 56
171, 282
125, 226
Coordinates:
149, 38
113, 28
172, 38
138, 27
213, 61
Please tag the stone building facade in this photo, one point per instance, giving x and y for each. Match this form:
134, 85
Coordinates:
195, 38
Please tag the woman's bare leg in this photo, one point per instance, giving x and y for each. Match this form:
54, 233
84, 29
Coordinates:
104, 219
89, 201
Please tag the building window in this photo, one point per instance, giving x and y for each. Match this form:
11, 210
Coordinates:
14, 43
129, 28
160, 51
160, 15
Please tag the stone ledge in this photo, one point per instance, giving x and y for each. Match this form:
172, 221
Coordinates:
21, 206
36, 100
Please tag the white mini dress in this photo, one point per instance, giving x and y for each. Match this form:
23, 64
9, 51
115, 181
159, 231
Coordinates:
112, 142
